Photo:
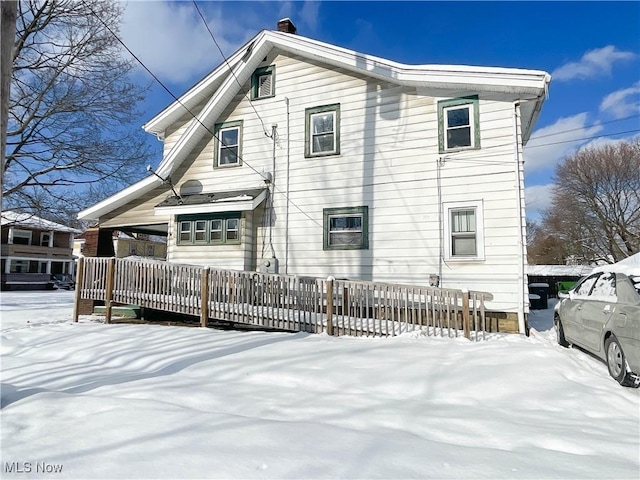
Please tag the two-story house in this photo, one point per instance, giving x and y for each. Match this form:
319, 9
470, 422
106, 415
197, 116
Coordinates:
300, 157
34, 249
124, 244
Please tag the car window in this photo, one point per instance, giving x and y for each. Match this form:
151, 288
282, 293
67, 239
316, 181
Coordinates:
584, 287
604, 288
635, 279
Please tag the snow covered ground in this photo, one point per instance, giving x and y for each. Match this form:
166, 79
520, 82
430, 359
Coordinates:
92, 401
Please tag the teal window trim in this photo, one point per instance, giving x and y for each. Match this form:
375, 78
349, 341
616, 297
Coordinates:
362, 211
255, 85
308, 113
443, 105
191, 221
220, 127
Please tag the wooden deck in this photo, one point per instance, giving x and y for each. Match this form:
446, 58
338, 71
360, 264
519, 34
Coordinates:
288, 303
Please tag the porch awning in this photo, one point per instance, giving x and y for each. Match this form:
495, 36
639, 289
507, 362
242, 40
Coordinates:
235, 201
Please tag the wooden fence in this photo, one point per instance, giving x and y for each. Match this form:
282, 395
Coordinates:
282, 302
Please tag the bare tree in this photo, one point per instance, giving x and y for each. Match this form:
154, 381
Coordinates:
72, 113
544, 247
595, 209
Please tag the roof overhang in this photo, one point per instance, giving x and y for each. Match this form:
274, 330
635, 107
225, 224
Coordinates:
217, 89
119, 199
236, 201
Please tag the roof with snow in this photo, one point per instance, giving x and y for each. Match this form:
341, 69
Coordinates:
559, 270
209, 97
27, 220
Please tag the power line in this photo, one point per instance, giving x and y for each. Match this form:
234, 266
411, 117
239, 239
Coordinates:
230, 69
188, 110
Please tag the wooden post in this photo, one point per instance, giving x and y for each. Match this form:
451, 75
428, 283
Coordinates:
345, 301
111, 269
465, 314
204, 299
79, 280
330, 306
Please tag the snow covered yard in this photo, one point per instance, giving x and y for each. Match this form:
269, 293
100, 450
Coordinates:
139, 401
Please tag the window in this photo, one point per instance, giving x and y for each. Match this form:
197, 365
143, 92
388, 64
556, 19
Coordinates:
458, 125
584, 288
322, 135
463, 226
21, 237
209, 229
19, 266
463, 233
150, 251
44, 239
346, 228
263, 83
133, 248
229, 139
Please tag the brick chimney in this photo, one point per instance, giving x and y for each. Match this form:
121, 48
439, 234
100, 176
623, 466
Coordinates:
286, 25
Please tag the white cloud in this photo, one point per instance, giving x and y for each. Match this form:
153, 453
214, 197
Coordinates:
622, 103
550, 144
173, 42
537, 199
604, 141
309, 14
304, 18
594, 63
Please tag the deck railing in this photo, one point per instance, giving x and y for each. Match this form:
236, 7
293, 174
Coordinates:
282, 302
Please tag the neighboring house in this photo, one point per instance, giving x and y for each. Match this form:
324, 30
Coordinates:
33, 249
558, 277
310, 159
127, 244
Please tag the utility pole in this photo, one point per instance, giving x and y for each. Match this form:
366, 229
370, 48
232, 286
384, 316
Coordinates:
8, 10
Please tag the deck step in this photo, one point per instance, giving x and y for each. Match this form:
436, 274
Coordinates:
119, 310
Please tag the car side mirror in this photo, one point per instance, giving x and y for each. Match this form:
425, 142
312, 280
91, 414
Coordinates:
563, 294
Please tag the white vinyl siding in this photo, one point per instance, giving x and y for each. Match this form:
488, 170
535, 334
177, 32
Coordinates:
389, 148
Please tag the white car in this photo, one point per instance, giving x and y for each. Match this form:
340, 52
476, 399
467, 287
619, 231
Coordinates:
601, 314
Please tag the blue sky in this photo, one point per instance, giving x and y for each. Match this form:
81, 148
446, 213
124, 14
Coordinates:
591, 49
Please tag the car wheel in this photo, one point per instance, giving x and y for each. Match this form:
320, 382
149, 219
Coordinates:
560, 333
616, 362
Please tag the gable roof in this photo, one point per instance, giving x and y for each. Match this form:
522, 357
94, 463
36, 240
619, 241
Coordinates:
27, 220
219, 87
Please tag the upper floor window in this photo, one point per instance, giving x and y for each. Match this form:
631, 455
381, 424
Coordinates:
458, 124
346, 228
263, 83
322, 135
464, 231
21, 237
228, 144
45, 238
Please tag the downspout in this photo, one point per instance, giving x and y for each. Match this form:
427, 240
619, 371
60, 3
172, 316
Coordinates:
523, 304
286, 215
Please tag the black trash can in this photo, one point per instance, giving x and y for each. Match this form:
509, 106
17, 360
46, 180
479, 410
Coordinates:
539, 296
